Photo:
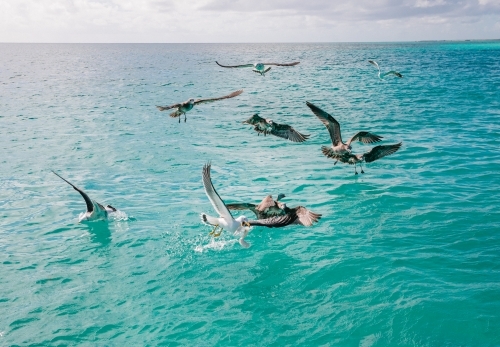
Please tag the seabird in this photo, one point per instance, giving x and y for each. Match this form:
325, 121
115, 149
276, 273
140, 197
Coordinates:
260, 68
226, 220
375, 153
186, 106
267, 126
395, 73
95, 211
338, 146
269, 208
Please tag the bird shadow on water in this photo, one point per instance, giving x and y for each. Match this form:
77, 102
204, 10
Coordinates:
99, 233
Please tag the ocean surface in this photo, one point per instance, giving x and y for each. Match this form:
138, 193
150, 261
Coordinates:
406, 254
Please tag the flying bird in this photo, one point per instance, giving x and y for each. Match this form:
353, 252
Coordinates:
260, 68
186, 106
338, 146
375, 153
269, 208
395, 73
267, 126
225, 221
95, 211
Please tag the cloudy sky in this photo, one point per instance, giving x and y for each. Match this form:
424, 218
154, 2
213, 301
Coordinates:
247, 21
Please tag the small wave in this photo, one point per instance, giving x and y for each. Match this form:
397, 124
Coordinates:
215, 245
119, 216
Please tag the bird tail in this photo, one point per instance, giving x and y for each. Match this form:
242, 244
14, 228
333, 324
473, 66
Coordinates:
208, 220
175, 114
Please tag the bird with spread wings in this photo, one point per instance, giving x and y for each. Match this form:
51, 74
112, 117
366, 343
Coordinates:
260, 68
183, 107
267, 126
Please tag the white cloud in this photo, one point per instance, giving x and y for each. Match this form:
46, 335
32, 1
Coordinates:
246, 21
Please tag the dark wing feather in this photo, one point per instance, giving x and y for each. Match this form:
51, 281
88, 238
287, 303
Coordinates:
232, 95
212, 194
381, 151
275, 222
395, 73
287, 132
163, 108
331, 124
284, 64
88, 201
242, 207
266, 203
255, 119
232, 66
306, 217
365, 137
343, 158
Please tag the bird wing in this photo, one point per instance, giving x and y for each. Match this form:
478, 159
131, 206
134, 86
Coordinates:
284, 64
395, 73
374, 63
213, 196
88, 201
331, 124
306, 217
287, 132
237, 66
266, 203
242, 207
255, 119
163, 108
381, 151
343, 158
274, 222
232, 95
365, 137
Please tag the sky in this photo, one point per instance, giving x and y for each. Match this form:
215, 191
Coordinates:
247, 21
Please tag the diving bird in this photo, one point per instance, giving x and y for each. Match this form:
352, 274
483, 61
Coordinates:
395, 73
375, 153
338, 146
269, 208
226, 220
186, 106
267, 126
260, 68
95, 211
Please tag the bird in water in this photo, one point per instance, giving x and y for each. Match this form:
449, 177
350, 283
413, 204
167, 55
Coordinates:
338, 146
225, 221
267, 126
269, 208
186, 106
381, 76
260, 68
375, 153
95, 211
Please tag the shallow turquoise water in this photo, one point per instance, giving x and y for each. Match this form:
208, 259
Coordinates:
405, 255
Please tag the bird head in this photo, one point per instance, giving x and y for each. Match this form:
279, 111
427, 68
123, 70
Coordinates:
252, 120
280, 196
191, 101
243, 221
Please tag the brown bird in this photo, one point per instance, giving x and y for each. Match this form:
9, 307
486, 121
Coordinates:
186, 106
375, 153
269, 208
267, 126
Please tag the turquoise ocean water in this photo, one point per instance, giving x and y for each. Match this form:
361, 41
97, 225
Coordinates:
407, 254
